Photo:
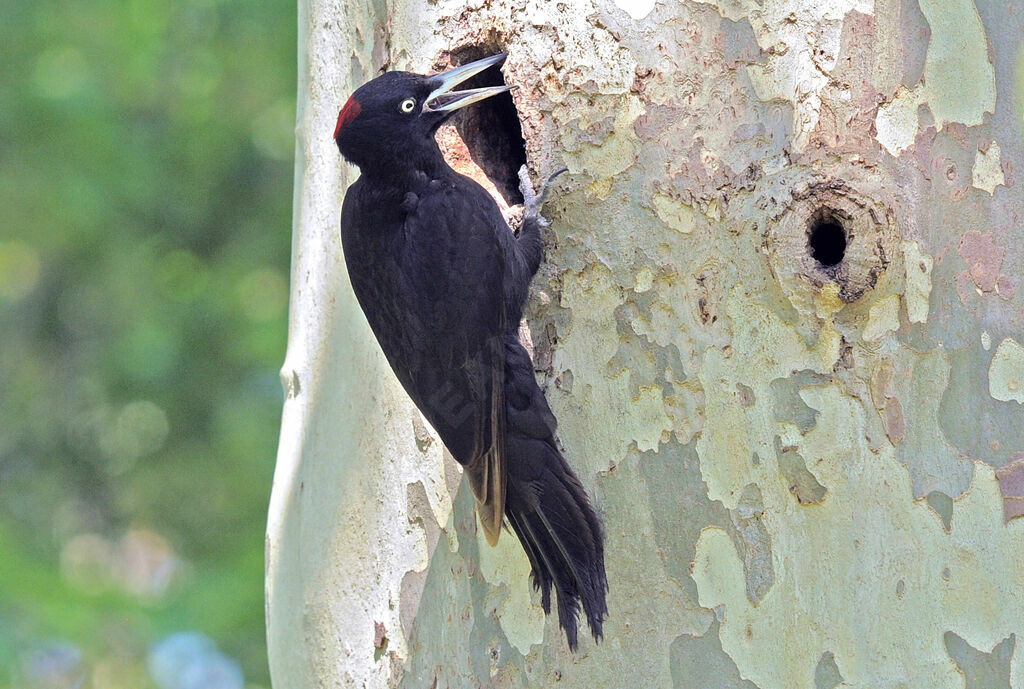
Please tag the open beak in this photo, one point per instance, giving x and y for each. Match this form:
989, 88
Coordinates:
443, 99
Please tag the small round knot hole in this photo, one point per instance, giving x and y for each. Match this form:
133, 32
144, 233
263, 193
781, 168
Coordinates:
826, 240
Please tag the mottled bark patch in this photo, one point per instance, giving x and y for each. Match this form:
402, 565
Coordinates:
800, 482
690, 652
1011, 485
982, 670
943, 506
826, 674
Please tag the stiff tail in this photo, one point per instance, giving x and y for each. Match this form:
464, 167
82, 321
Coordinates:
549, 511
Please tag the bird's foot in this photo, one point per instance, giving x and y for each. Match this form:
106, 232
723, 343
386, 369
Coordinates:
533, 200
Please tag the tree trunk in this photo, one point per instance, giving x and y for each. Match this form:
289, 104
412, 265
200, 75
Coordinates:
778, 321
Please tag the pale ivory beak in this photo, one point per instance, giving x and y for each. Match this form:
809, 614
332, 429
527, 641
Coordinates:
443, 99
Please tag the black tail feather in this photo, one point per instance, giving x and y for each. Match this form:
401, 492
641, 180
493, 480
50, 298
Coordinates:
549, 511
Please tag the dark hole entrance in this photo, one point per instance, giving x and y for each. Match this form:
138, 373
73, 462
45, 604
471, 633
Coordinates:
490, 129
826, 240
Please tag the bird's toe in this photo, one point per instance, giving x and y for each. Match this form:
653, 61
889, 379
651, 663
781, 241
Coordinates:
526, 187
532, 199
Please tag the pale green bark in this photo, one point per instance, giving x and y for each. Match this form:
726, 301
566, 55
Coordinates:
805, 478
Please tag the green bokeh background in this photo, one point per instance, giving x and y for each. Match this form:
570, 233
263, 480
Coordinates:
145, 178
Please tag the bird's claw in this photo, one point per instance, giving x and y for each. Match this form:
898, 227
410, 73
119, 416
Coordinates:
533, 200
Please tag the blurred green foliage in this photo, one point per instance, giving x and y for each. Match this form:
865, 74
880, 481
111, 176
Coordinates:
145, 177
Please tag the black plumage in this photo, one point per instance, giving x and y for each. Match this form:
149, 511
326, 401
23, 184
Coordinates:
443, 282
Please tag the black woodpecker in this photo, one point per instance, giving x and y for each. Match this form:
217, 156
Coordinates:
443, 282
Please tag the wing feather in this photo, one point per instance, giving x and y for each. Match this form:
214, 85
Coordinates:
458, 245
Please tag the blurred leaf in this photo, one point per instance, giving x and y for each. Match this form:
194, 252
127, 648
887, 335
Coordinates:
146, 173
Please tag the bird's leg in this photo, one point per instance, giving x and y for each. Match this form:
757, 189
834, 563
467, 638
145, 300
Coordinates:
534, 200
531, 244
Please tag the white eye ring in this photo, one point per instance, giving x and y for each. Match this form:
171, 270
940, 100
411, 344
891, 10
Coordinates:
407, 105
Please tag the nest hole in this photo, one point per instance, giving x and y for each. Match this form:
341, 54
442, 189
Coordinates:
826, 238
490, 129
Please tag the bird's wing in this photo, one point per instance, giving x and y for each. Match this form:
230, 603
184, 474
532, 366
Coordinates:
457, 247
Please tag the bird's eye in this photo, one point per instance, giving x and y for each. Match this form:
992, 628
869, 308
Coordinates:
407, 105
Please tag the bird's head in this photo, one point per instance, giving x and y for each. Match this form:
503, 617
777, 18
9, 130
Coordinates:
392, 119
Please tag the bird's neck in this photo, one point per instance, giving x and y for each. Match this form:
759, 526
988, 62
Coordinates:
408, 170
